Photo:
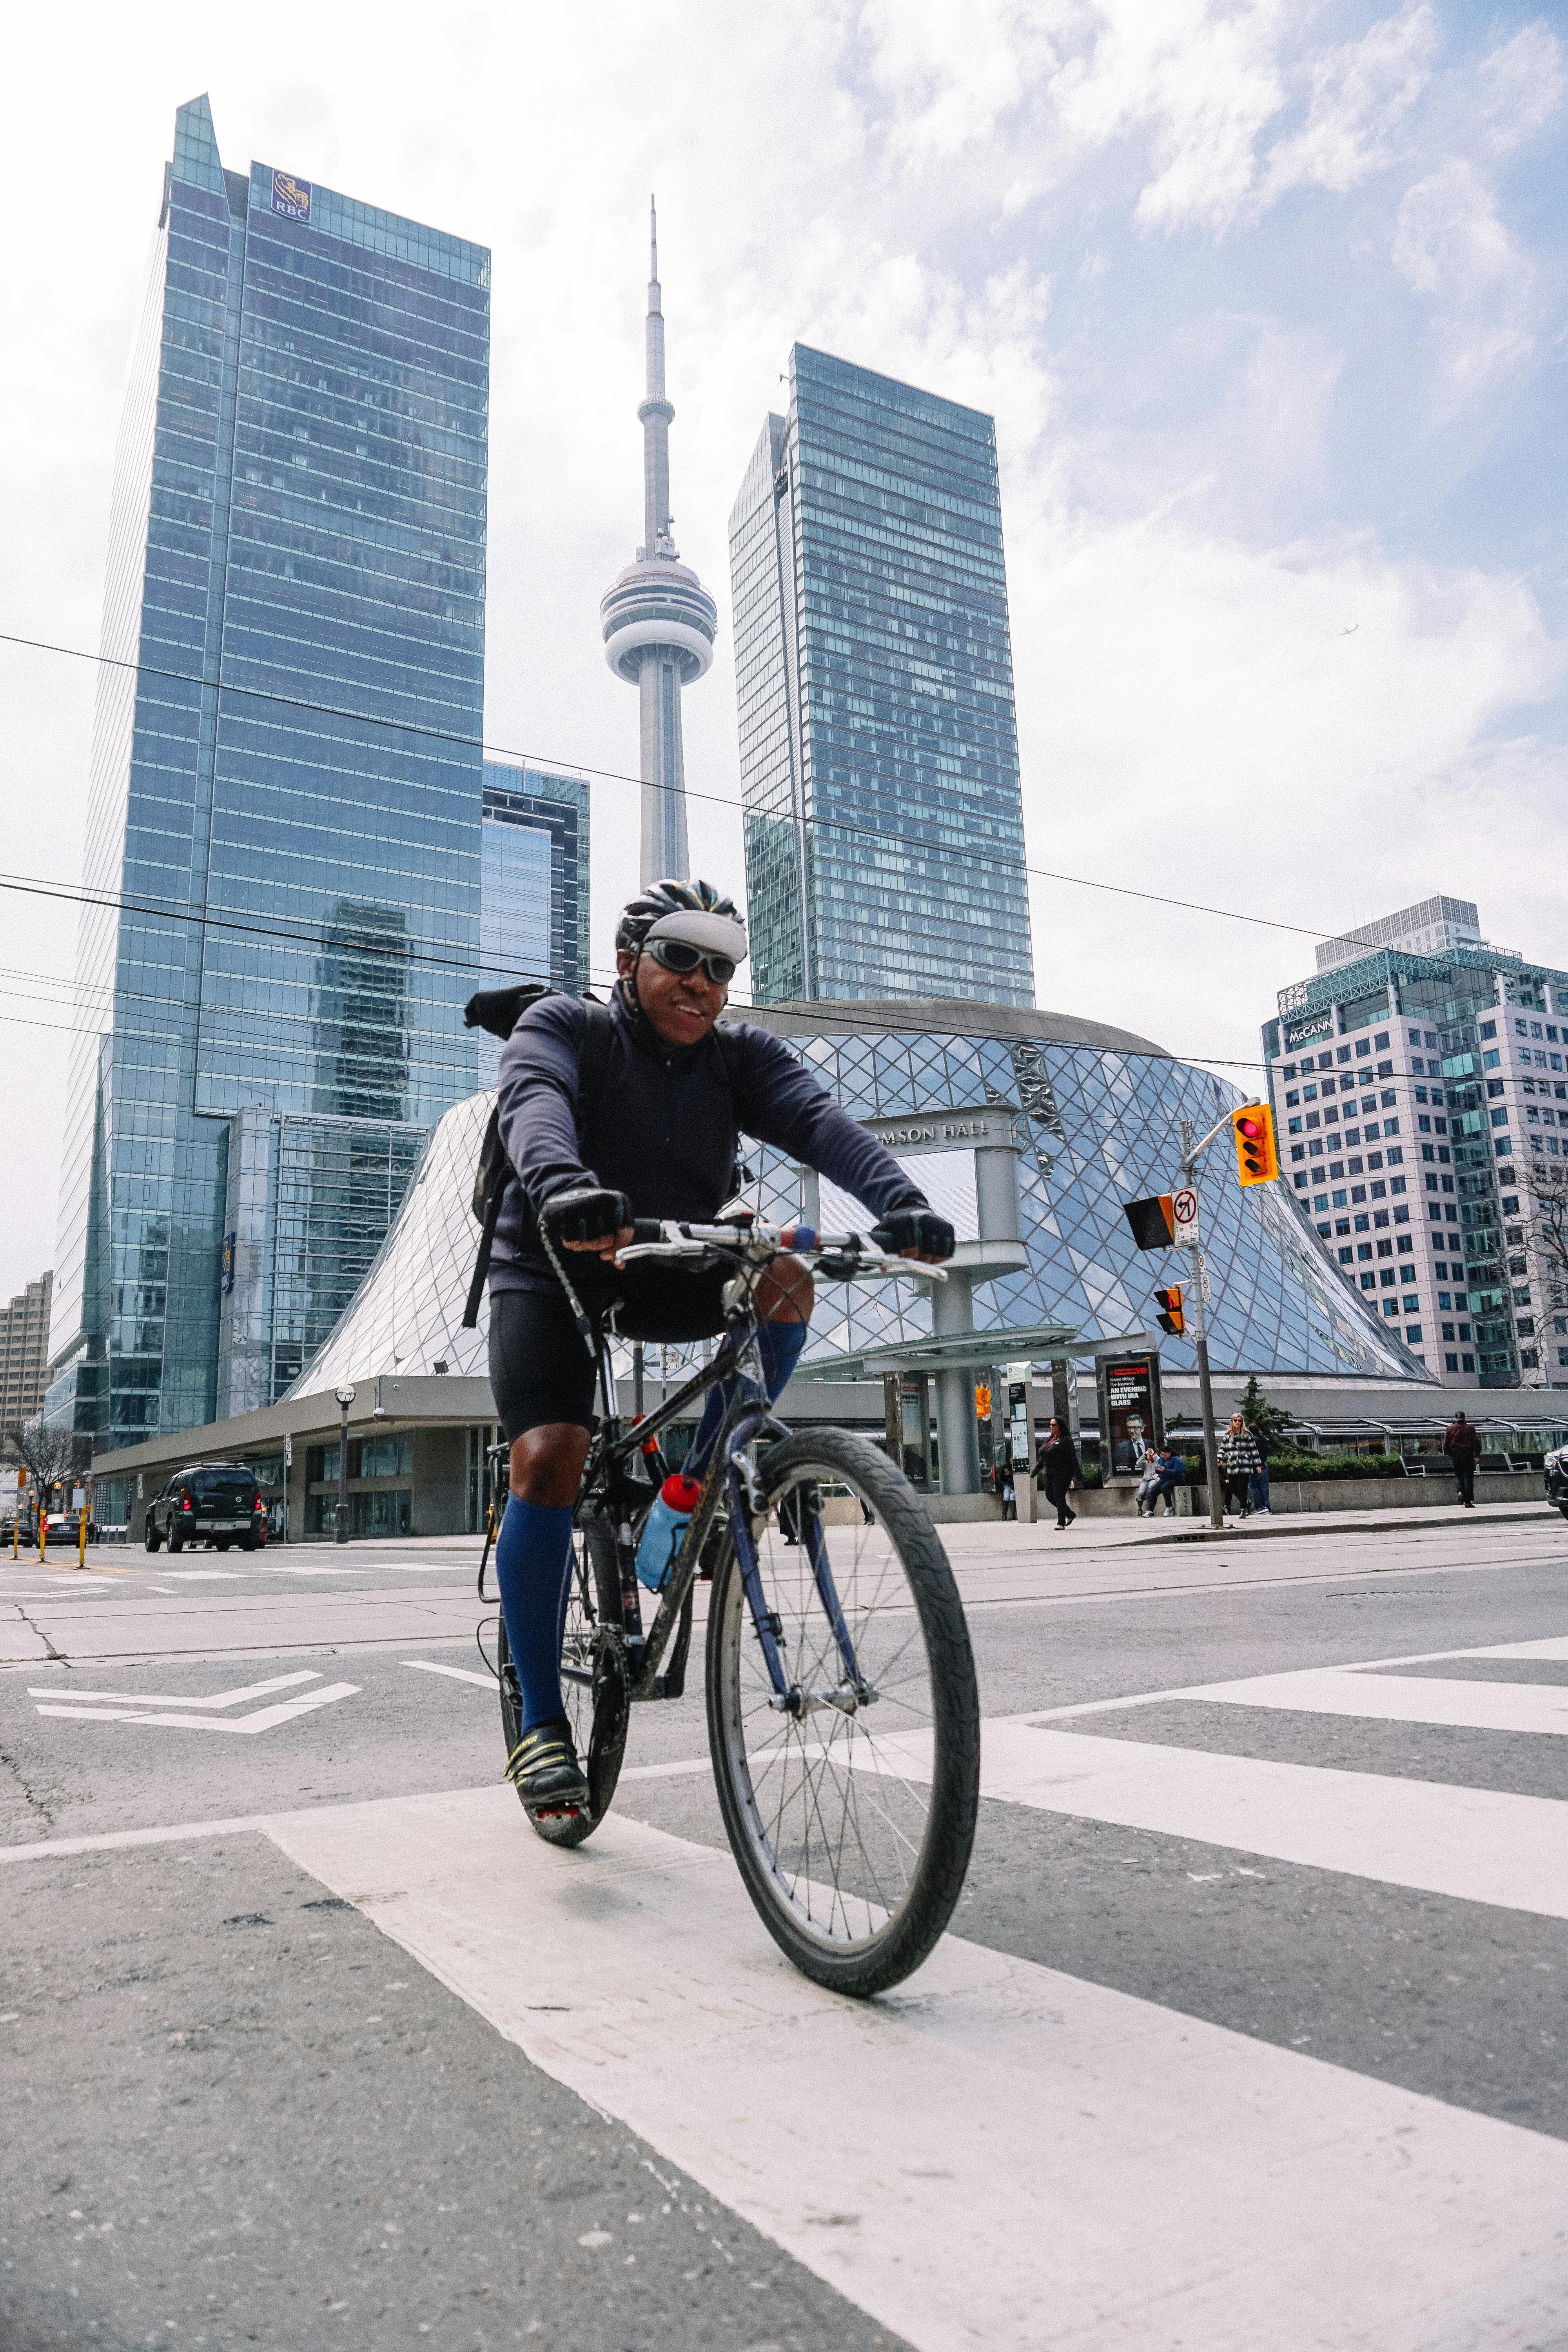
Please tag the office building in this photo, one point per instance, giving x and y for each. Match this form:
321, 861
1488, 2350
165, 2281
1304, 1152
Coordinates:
1417, 1097
533, 891
659, 620
874, 684
1430, 928
24, 1353
284, 840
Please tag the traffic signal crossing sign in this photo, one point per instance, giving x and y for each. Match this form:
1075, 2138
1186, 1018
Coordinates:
1171, 1318
1257, 1160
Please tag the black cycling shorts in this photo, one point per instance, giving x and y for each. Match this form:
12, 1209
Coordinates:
540, 1370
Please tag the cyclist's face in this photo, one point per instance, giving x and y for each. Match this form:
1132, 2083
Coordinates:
681, 1006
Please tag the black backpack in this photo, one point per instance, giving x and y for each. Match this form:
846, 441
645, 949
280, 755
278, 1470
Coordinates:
499, 1011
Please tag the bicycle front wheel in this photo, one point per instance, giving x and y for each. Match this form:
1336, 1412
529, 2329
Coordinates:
850, 1797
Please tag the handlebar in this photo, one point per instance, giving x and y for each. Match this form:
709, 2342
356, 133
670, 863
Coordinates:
845, 1256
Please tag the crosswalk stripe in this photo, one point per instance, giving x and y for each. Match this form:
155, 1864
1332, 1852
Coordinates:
1478, 1845
996, 2154
1405, 1699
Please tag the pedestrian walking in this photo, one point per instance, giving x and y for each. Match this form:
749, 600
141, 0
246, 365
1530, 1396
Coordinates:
1260, 1484
1462, 1446
1056, 1467
1240, 1461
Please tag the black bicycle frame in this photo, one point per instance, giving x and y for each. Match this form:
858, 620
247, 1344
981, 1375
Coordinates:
727, 1479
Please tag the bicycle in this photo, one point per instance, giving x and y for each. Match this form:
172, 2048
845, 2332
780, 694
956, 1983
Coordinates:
842, 1716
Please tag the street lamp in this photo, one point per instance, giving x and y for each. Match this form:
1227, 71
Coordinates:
345, 1398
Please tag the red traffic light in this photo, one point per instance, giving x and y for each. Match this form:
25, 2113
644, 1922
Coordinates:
1257, 1160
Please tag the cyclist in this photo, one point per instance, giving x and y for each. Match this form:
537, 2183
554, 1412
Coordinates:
657, 1140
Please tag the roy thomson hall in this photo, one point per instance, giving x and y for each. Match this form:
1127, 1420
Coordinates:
1030, 1130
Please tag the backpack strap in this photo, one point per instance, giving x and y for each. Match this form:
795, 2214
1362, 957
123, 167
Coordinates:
598, 1035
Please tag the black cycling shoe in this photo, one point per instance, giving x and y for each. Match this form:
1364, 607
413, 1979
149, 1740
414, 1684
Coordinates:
543, 1770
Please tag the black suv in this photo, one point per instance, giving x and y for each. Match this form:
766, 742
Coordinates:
214, 1502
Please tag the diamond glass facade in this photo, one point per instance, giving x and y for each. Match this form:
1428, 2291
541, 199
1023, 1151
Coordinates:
874, 679
1098, 1126
285, 803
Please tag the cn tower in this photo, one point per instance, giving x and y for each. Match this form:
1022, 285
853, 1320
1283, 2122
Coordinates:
659, 620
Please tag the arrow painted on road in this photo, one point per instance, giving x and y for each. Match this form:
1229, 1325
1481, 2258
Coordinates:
132, 1706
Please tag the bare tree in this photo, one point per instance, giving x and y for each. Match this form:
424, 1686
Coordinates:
1549, 1192
48, 1453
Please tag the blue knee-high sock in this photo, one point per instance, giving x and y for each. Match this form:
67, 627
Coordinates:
779, 1345
533, 1555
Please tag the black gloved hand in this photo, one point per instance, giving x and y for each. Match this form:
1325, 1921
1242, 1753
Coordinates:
914, 1229
591, 1213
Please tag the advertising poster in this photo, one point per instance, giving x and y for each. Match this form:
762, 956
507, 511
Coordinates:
1130, 1418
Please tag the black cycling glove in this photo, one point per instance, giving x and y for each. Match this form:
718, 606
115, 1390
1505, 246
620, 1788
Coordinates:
914, 1229
590, 1214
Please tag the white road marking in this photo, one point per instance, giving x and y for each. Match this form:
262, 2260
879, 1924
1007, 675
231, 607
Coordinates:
1388, 1698
277, 1568
1190, 2187
458, 1674
179, 1698
1478, 1845
265, 1718
204, 1575
1259, 1688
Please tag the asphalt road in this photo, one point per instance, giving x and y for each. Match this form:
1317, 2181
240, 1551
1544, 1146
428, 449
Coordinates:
1250, 2029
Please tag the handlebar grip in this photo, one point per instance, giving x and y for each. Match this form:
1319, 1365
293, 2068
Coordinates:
645, 1230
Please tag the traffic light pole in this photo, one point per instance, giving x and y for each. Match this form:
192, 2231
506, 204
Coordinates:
1190, 1155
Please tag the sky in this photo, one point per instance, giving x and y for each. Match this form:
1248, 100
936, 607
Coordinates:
1268, 301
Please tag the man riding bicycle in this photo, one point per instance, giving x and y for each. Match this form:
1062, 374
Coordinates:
657, 1138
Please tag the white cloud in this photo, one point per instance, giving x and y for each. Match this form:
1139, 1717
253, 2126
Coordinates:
1519, 86
1361, 91
1450, 243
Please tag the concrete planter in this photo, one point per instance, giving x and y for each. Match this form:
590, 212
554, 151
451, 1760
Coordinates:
1436, 1493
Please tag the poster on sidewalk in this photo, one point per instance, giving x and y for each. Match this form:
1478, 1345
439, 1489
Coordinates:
1132, 1418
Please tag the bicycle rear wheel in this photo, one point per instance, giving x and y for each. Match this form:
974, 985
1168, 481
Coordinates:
850, 1807
598, 1710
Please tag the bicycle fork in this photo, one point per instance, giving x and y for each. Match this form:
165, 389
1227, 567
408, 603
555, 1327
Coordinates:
789, 1698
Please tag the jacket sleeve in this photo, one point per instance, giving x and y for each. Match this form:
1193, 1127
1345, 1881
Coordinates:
536, 1097
780, 1103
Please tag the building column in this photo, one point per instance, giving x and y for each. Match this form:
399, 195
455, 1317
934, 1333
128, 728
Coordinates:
952, 1312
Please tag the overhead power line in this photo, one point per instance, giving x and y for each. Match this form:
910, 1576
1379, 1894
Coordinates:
615, 775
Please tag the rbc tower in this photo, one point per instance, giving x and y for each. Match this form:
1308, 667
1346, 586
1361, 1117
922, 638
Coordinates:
874, 680
283, 839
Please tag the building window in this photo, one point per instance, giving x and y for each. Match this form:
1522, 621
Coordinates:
1300, 1181
1363, 1045
1410, 1306
1381, 1041
1342, 1053
1363, 1224
1491, 1060
1448, 1334
1488, 1028
1291, 1101
1450, 1363
1323, 1231
1406, 1243
1369, 1282
1494, 1087
1289, 1070
1468, 1364
1340, 1197
1346, 1256
1412, 1334
1364, 1249
1342, 1226
1528, 1359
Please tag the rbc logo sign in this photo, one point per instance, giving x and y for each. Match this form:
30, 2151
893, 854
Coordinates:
292, 197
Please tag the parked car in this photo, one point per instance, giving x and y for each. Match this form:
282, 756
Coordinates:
1555, 1469
217, 1503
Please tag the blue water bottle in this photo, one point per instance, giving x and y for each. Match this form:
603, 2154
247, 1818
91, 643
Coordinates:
664, 1528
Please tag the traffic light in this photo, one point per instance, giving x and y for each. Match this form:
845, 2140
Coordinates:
1257, 1160
1171, 1317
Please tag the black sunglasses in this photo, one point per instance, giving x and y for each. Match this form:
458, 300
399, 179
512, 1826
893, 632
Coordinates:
675, 956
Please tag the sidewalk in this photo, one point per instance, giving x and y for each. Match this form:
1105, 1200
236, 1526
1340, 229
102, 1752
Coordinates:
965, 1540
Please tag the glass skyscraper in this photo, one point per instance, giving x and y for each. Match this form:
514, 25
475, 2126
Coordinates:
874, 679
533, 897
286, 803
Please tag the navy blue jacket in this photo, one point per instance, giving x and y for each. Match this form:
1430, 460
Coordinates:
665, 1129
